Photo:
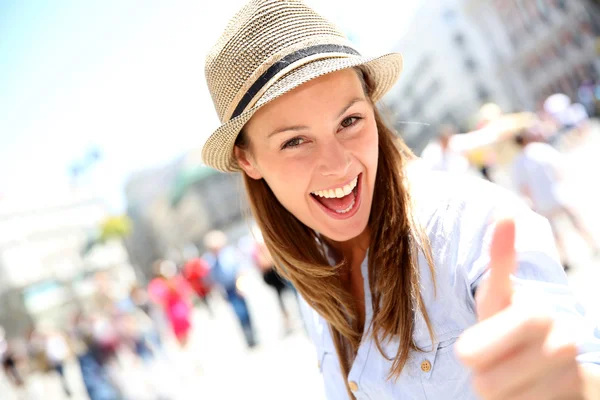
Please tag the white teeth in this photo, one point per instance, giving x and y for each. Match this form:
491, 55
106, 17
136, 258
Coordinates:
337, 192
350, 207
347, 189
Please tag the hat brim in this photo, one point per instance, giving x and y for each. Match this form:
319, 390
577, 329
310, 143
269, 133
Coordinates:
384, 71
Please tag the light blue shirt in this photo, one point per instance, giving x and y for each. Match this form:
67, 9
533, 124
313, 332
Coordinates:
225, 267
458, 214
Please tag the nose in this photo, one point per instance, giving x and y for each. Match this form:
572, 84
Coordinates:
335, 159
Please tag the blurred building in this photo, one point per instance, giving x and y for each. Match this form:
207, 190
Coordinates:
448, 73
147, 242
46, 260
174, 206
541, 47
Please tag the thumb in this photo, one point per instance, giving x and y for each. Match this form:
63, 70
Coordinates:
495, 293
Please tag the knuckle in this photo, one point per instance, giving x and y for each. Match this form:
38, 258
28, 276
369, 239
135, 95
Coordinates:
566, 352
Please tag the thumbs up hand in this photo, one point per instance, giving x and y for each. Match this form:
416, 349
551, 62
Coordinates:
495, 293
513, 354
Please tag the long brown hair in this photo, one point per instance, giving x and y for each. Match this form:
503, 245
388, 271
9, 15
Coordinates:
395, 241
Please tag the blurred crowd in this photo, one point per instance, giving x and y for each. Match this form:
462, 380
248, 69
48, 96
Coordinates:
529, 145
134, 330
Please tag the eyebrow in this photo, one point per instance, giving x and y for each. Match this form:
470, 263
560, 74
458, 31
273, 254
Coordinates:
304, 127
352, 102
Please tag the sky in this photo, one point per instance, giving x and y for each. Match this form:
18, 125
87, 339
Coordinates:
126, 78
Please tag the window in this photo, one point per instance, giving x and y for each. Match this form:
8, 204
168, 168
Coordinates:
449, 119
416, 109
544, 10
483, 93
559, 50
562, 5
434, 88
577, 39
471, 64
594, 25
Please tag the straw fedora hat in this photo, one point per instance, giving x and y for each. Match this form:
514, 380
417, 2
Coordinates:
269, 48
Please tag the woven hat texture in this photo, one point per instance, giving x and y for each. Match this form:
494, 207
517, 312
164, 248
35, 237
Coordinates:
267, 49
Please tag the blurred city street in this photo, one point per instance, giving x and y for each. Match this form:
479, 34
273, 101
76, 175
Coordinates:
217, 364
113, 222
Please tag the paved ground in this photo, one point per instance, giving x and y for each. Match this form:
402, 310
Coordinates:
217, 365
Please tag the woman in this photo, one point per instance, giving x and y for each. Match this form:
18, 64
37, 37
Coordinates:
386, 256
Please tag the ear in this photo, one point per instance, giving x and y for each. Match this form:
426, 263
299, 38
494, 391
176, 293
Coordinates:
246, 162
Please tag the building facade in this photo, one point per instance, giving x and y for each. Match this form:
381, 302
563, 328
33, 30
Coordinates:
173, 207
541, 46
447, 75
45, 270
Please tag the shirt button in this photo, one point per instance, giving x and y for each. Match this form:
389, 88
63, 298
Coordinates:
353, 386
426, 366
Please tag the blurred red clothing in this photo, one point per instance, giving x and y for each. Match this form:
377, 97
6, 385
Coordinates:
174, 296
197, 273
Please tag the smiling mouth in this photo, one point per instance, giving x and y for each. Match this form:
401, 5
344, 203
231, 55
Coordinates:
340, 200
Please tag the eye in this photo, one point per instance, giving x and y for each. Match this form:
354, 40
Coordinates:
295, 142
348, 122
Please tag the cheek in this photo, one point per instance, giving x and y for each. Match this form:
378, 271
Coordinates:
288, 181
367, 148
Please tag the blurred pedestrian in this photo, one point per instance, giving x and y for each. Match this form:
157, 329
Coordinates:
197, 273
571, 119
587, 97
97, 379
451, 150
57, 351
225, 264
36, 351
10, 361
266, 265
539, 175
446, 153
172, 292
134, 327
140, 299
484, 158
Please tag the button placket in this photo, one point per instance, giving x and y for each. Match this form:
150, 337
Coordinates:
353, 386
426, 362
426, 366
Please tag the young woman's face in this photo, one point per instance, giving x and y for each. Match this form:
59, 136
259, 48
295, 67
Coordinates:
317, 148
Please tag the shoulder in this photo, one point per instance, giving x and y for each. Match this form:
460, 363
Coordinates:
450, 198
459, 213
316, 326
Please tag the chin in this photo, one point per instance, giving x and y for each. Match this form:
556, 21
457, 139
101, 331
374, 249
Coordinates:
346, 232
